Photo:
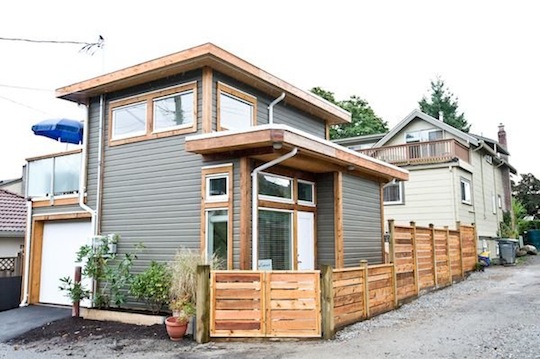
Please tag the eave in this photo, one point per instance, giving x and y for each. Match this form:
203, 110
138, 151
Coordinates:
315, 155
207, 55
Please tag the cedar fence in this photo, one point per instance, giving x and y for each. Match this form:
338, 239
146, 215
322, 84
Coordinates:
315, 303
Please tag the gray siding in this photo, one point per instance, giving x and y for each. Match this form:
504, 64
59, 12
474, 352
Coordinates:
72, 208
361, 221
325, 219
283, 114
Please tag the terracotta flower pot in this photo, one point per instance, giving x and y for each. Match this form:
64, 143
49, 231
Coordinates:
175, 329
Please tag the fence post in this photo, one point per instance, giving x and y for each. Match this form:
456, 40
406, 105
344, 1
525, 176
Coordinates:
415, 258
76, 306
364, 265
458, 226
327, 298
447, 231
391, 241
435, 277
202, 333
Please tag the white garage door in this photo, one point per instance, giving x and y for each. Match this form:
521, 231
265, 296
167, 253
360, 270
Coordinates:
61, 241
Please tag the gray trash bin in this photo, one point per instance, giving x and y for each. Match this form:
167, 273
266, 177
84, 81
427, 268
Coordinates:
507, 252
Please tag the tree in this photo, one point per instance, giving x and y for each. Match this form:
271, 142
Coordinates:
364, 121
527, 191
442, 100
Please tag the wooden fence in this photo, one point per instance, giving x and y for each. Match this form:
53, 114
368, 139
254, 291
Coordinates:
265, 304
304, 304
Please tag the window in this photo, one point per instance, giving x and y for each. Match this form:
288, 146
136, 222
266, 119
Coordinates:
393, 193
423, 136
499, 200
217, 224
236, 109
175, 111
493, 204
465, 191
162, 113
305, 192
129, 121
216, 187
275, 238
278, 188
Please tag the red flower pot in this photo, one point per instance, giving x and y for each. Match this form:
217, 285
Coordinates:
175, 329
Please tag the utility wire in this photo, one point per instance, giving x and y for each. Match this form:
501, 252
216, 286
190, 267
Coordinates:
25, 105
25, 88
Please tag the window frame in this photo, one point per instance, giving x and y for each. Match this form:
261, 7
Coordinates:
172, 128
236, 94
303, 202
130, 135
206, 220
217, 198
148, 99
463, 191
292, 235
401, 193
266, 197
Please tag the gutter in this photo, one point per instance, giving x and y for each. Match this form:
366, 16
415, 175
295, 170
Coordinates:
83, 173
255, 206
271, 108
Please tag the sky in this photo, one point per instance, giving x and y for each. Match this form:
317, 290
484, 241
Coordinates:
387, 52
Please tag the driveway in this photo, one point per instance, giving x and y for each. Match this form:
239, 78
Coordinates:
20, 320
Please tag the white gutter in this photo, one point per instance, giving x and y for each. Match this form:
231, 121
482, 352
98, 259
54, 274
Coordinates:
99, 163
271, 108
82, 178
28, 234
254, 202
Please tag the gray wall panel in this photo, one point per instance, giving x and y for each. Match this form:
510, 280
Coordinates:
56, 210
361, 221
325, 219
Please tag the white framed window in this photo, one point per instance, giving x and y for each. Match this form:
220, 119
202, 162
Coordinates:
306, 192
275, 238
275, 188
217, 233
393, 193
129, 120
174, 111
236, 109
217, 187
499, 200
465, 191
423, 135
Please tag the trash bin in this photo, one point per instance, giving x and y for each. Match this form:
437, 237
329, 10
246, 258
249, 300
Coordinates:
507, 251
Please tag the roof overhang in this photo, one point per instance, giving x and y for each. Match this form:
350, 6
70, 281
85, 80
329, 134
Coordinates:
207, 55
316, 155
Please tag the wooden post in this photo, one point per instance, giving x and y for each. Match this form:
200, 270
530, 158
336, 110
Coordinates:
415, 258
76, 306
448, 254
364, 265
391, 242
435, 276
327, 299
394, 282
458, 226
202, 334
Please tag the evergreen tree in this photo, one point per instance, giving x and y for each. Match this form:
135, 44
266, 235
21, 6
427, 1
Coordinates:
364, 121
442, 100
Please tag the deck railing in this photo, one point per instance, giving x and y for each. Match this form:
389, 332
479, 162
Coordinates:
420, 152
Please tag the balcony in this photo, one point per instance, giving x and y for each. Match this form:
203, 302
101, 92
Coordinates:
420, 152
54, 175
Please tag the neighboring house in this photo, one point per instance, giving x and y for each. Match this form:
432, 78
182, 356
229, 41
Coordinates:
13, 185
202, 149
454, 176
12, 223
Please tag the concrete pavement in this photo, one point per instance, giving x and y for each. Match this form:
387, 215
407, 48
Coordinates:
20, 320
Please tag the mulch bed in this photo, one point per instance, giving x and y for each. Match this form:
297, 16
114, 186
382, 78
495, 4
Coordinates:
75, 329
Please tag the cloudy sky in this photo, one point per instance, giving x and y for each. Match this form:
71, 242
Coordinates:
488, 53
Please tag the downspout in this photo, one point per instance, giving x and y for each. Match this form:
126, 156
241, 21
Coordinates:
99, 162
271, 108
254, 202
28, 235
82, 178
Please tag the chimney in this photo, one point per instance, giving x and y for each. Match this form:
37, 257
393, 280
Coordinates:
502, 136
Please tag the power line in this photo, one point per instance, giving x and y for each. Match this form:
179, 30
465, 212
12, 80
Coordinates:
25, 88
25, 105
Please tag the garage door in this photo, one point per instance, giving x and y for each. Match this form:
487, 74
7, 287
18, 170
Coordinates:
61, 241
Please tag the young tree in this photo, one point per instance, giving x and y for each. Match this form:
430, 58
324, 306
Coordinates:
442, 100
364, 121
527, 191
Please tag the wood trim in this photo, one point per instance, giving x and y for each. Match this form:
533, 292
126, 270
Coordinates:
196, 57
62, 216
148, 100
35, 263
207, 90
327, 131
249, 99
381, 197
53, 202
245, 213
226, 169
338, 219
52, 155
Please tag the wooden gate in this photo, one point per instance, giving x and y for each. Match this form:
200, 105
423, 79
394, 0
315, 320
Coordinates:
265, 304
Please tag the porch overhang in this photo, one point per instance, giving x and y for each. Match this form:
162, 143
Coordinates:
267, 142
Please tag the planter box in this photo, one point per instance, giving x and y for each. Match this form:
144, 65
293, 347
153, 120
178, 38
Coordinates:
122, 317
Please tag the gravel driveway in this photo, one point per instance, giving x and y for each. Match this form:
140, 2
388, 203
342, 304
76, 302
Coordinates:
492, 314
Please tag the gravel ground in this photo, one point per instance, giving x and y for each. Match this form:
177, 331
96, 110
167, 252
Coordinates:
492, 314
